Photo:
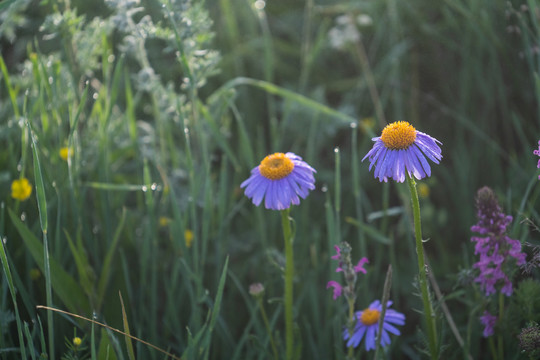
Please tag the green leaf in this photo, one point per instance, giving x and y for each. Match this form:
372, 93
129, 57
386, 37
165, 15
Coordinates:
270, 88
40, 187
106, 349
215, 309
129, 344
5, 4
375, 234
64, 286
106, 269
84, 268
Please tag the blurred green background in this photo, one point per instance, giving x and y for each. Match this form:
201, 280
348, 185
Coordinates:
168, 104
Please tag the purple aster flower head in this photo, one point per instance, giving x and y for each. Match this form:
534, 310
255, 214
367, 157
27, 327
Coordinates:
401, 150
343, 256
367, 325
489, 322
537, 153
281, 179
495, 249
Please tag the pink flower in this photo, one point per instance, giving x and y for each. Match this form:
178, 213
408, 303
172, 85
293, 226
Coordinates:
343, 256
337, 288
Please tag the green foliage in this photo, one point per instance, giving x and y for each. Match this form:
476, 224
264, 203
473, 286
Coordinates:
166, 105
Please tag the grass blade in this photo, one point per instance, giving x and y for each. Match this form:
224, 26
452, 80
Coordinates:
13, 292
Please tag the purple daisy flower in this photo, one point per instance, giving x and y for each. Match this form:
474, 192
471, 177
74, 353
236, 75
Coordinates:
281, 179
367, 324
402, 149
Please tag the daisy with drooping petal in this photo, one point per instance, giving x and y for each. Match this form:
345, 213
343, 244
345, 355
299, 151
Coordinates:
367, 325
281, 179
401, 150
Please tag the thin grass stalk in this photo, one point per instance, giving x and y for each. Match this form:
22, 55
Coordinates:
42, 209
29, 340
267, 326
337, 198
356, 185
500, 340
372, 86
13, 293
422, 272
351, 324
384, 300
289, 275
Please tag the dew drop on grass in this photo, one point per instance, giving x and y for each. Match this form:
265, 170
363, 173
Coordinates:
95, 96
4, 240
324, 188
111, 58
23, 216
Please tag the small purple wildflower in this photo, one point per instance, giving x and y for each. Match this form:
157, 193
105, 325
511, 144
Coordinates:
496, 248
537, 153
337, 288
489, 322
368, 324
343, 256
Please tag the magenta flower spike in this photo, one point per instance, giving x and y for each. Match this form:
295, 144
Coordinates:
496, 250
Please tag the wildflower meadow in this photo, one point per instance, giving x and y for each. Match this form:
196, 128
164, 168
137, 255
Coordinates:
264, 179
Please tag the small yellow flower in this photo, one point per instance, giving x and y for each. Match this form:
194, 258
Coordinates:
21, 189
164, 221
77, 341
65, 152
367, 124
35, 274
188, 237
423, 190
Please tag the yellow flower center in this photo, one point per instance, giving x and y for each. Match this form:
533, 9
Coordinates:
370, 316
398, 135
276, 166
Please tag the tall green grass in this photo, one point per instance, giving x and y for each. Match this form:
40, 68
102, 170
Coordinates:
166, 108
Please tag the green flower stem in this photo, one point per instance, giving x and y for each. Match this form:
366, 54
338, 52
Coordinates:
500, 342
267, 325
350, 354
422, 274
289, 274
